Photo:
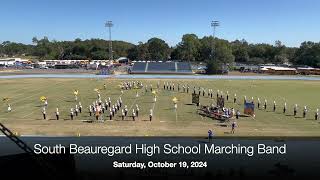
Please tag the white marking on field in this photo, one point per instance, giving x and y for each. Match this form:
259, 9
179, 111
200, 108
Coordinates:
28, 114
24, 99
176, 115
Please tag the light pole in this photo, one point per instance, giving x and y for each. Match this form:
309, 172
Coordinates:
214, 25
109, 24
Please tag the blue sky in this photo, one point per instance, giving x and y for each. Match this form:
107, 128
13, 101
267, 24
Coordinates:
257, 21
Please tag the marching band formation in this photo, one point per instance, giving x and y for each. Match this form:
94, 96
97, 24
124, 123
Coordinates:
106, 108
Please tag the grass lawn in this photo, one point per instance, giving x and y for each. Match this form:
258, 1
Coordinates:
26, 116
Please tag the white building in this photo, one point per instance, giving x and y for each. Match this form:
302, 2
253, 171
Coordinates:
13, 61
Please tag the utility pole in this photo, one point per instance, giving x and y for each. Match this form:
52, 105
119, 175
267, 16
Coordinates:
109, 24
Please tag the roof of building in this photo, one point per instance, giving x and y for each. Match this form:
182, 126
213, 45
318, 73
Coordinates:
277, 68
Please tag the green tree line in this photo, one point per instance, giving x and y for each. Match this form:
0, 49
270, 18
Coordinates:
191, 48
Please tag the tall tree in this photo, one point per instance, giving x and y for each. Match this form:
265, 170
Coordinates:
308, 54
240, 51
188, 48
158, 49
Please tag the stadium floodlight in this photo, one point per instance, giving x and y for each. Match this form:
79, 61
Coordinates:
109, 24
214, 25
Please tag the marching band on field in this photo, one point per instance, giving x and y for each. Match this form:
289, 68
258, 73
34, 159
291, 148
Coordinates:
100, 108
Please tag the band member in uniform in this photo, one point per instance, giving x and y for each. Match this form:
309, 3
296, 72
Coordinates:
237, 114
106, 104
97, 113
295, 109
103, 108
150, 115
265, 104
46, 103
110, 114
133, 115
233, 112
154, 98
76, 110
274, 106
235, 98
90, 110
71, 113
44, 113
137, 110
113, 110
218, 94
284, 108
125, 110
305, 111
233, 127
259, 102
57, 113
316, 115
120, 102
80, 107
122, 114
109, 102
9, 108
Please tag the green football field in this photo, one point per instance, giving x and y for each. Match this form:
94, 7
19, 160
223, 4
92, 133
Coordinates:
26, 116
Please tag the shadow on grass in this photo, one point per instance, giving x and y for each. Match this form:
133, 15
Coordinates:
310, 119
169, 109
204, 142
87, 121
113, 94
147, 102
222, 125
89, 98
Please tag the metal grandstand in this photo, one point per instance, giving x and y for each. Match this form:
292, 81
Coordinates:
161, 68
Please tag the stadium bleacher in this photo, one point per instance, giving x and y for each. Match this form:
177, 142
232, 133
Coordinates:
161, 68
183, 67
139, 67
